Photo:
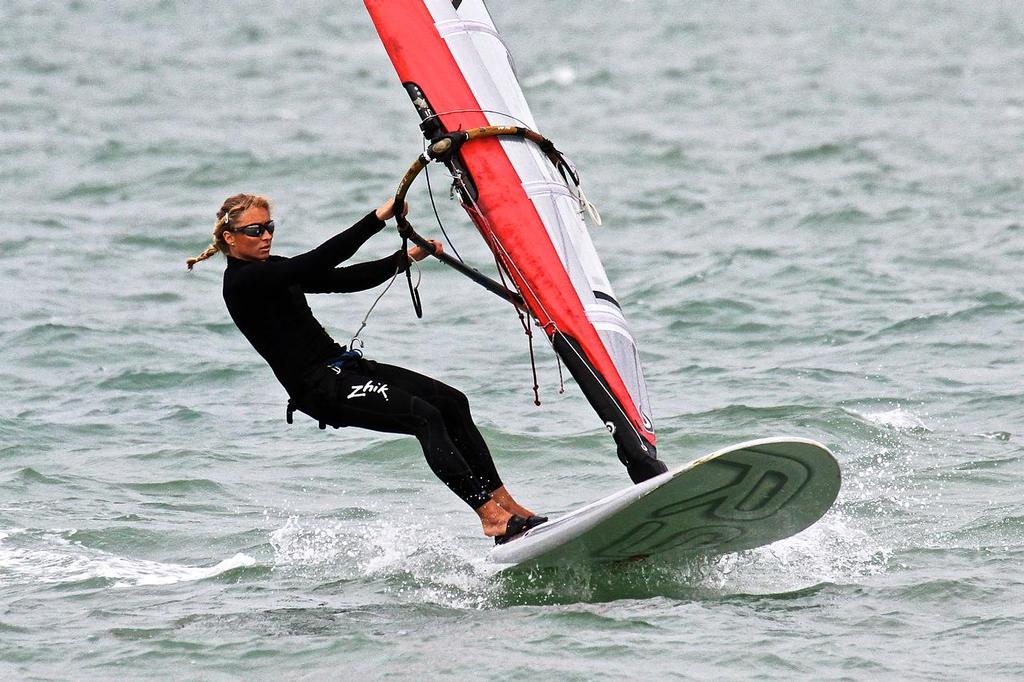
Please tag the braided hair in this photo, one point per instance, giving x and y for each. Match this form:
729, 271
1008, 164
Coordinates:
232, 207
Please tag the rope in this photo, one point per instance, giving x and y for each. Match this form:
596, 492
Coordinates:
362, 325
437, 216
478, 111
527, 330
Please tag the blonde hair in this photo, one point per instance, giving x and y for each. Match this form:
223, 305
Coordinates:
229, 210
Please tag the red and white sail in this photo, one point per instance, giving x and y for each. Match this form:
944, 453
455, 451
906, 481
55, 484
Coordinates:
459, 73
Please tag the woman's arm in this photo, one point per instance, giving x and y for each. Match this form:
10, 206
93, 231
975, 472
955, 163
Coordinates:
364, 275
355, 277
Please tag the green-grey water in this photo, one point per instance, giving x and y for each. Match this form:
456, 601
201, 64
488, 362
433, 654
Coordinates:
812, 218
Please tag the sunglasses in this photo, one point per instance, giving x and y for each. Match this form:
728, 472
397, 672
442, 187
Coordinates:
255, 230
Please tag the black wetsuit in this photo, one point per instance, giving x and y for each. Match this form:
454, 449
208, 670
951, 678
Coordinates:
267, 301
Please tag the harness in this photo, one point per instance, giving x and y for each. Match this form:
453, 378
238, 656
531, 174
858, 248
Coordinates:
349, 359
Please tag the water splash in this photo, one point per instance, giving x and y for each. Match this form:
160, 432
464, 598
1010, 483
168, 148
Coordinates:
413, 564
897, 418
833, 551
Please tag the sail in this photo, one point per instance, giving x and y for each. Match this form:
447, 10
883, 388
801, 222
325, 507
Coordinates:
459, 75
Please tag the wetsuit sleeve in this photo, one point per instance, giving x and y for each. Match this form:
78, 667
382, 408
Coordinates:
355, 277
287, 271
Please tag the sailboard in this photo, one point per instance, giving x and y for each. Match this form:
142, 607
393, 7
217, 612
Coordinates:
525, 201
737, 498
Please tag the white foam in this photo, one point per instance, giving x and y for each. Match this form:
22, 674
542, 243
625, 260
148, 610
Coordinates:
897, 418
443, 571
830, 551
50, 558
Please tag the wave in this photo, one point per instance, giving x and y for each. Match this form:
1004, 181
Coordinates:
988, 306
562, 76
48, 557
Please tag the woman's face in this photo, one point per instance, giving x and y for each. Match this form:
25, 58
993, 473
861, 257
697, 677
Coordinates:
244, 247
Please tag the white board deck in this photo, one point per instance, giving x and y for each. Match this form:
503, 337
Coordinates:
737, 498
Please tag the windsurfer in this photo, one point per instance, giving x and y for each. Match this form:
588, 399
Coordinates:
265, 296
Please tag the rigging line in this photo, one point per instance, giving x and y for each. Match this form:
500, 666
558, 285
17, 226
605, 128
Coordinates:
366, 317
525, 323
523, 320
600, 381
433, 205
518, 120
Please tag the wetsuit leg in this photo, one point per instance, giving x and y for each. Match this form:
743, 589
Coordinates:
367, 398
454, 407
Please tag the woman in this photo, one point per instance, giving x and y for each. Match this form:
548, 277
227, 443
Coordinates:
265, 296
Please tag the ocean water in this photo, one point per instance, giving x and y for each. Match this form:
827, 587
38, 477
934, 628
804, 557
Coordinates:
812, 218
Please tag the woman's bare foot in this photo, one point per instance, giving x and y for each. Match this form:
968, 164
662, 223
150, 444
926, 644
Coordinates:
505, 501
493, 518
